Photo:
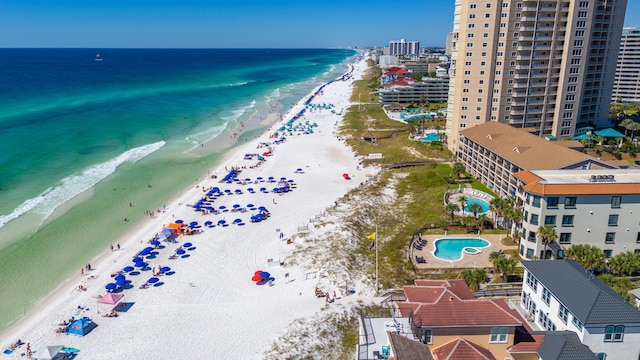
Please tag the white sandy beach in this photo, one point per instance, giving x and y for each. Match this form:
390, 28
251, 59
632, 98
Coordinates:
209, 308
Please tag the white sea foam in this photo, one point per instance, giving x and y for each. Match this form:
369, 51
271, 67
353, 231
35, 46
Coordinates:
69, 187
206, 135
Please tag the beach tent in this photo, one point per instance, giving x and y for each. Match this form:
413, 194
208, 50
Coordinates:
81, 327
176, 227
49, 352
111, 299
165, 234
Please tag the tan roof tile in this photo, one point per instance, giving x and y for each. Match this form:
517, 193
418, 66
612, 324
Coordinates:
533, 152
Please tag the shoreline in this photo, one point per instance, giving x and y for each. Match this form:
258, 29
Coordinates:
145, 228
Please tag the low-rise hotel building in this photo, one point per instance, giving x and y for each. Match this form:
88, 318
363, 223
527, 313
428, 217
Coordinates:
432, 90
494, 152
590, 207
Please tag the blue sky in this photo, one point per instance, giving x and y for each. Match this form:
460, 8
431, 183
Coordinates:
228, 23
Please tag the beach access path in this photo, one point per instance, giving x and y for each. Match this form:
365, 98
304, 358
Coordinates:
209, 307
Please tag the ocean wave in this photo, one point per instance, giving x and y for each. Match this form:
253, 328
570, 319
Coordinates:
239, 84
71, 186
206, 135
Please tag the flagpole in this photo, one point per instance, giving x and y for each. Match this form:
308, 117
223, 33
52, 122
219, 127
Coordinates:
376, 239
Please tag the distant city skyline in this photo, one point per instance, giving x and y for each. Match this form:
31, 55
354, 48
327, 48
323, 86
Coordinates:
228, 24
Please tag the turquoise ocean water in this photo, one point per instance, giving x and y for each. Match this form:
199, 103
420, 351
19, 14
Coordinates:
82, 139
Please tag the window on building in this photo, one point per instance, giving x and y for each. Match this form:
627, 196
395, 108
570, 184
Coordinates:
573, 79
582, 14
581, 24
580, 33
536, 201
534, 219
532, 282
546, 323
466, 81
570, 202
607, 253
499, 335
487, 15
563, 313
577, 43
574, 70
472, 16
546, 295
567, 220
470, 35
613, 220
472, 6
602, 356
550, 220
614, 333
565, 238
504, 5
610, 238
486, 25
469, 45
427, 336
575, 61
552, 202
577, 322
638, 238
616, 201
471, 26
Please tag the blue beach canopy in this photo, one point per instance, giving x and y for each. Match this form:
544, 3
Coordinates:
153, 280
609, 133
187, 244
110, 286
127, 268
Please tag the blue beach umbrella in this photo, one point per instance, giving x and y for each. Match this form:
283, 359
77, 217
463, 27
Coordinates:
235, 206
187, 245
118, 277
179, 221
153, 280
250, 205
180, 252
165, 269
265, 275
207, 223
237, 221
137, 259
155, 242
222, 207
121, 282
127, 268
110, 286
220, 222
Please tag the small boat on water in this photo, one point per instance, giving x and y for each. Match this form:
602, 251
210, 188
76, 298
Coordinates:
98, 57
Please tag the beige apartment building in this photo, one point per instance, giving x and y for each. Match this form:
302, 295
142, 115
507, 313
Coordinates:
546, 65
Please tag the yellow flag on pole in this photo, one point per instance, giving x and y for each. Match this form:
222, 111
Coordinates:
372, 236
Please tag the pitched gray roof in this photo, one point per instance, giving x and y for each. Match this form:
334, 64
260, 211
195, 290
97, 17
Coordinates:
586, 297
564, 345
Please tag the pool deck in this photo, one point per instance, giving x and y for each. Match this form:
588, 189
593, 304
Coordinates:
480, 260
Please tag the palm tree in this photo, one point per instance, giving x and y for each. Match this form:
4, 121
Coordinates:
475, 208
625, 124
625, 264
496, 205
452, 208
482, 220
517, 215
463, 201
634, 126
504, 266
547, 235
474, 278
589, 256
458, 168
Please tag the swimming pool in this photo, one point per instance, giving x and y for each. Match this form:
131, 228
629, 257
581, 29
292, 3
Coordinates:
431, 137
452, 248
482, 203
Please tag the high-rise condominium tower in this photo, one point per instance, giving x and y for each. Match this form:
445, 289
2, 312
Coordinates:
626, 87
547, 65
